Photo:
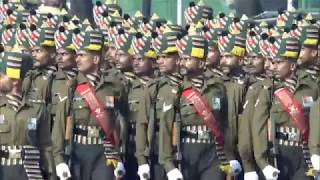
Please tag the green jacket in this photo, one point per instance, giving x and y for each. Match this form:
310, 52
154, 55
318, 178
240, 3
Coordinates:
214, 93
144, 116
109, 92
314, 133
14, 126
304, 89
235, 93
245, 144
260, 120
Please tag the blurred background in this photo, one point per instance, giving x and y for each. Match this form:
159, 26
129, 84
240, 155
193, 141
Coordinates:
173, 9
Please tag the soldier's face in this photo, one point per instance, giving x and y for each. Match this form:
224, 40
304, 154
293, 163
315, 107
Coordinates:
87, 62
65, 59
111, 53
142, 65
6, 84
283, 68
255, 64
123, 61
168, 63
269, 67
213, 58
42, 56
191, 66
308, 56
228, 62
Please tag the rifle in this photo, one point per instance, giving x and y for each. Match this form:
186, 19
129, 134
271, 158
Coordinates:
274, 151
178, 140
69, 127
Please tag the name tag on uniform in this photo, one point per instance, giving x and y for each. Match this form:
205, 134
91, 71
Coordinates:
32, 124
216, 103
2, 120
110, 101
307, 101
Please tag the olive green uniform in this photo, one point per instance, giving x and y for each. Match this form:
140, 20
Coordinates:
260, 122
28, 126
88, 153
199, 156
146, 130
245, 145
135, 98
314, 134
37, 84
235, 93
290, 159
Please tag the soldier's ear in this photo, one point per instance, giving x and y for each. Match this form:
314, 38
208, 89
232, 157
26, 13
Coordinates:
202, 64
52, 54
96, 59
314, 53
293, 66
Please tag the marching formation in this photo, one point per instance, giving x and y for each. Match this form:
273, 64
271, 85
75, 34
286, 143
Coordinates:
132, 97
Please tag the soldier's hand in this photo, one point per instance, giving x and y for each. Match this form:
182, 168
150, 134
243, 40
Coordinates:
251, 176
63, 171
144, 172
174, 174
119, 171
271, 173
315, 160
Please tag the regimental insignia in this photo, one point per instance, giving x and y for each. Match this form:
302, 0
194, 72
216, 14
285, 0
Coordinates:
109, 101
32, 124
216, 103
307, 101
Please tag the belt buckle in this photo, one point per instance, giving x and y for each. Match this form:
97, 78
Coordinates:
293, 136
203, 135
14, 154
93, 133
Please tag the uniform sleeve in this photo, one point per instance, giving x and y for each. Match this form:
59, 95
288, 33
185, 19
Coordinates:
45, 143
260, 128
244, 134
314, 134
235, 98
142, 128
167, 120
58, 132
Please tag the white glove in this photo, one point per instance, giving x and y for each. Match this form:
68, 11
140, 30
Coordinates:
235, 167
315, 160
270, 172
175, 174
251, 176
144, 172
63, 171
119, 171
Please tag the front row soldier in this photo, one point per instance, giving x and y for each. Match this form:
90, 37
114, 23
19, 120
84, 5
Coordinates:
198, 115
255, 68
289, 111
24, 127
93, 105
148, 130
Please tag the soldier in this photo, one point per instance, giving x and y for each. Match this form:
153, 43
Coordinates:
95, 102
200, 130
213, 69
146, 140
232, 49
308, 34
287, 127
255, 67
61, 86
124, 63
314, 137
25, 131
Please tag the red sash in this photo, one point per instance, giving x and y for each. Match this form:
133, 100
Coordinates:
292, 107
205, 112
96, 108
